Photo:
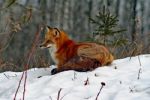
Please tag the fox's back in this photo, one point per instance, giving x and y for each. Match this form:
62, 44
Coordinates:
95, 51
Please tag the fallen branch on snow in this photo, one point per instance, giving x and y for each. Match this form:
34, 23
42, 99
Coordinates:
103, 84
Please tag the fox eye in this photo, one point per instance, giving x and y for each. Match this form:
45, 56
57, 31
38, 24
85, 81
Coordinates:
56, 33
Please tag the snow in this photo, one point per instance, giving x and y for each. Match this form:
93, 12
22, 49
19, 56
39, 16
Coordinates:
121, 79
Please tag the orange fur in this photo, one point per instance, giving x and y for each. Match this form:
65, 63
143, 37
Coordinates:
63, 49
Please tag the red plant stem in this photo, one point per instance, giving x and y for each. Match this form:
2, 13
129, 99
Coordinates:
18, 86
27, 65
26, 68
25, 85
29, 59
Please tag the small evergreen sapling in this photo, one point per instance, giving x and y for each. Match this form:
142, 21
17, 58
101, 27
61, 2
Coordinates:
106, 31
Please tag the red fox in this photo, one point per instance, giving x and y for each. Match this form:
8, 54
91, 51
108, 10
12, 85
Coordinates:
70, 55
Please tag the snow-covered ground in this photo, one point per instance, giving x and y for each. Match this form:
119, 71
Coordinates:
121, 79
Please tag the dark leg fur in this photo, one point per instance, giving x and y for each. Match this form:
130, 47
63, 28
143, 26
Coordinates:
54, 71
80, 64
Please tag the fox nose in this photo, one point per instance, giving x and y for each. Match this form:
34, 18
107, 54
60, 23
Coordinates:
41, 46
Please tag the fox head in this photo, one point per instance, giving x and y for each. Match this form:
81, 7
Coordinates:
53, 36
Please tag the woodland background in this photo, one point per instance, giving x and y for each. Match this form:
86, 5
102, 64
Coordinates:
19, 20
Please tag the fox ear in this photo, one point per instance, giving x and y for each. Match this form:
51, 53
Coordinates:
47, 28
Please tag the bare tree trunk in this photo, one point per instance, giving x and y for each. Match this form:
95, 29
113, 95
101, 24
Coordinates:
117, 7
146, 24
90, 6
133, 30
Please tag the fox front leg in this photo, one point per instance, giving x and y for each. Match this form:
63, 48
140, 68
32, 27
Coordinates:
57, 70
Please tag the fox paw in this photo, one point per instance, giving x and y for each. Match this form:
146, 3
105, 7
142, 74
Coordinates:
53, 71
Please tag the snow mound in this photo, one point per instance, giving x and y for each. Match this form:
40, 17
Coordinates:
125, 79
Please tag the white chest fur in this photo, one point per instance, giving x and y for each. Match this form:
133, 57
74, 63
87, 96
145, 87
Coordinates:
52, 51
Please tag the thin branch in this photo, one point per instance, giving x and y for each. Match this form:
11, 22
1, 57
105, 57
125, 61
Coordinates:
10, 3
139, 73
6, 76
25, 85
18, 86
131, 90
74, 76
139, 60
88, 97
87, 81
50, 98
103, 84
59, 93
64, 95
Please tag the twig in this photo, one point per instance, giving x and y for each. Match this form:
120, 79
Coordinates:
87, 81
64, 95
139, 73
115, 67
96, 75
131, 90
24, 91
139, 60
88, 97
18, 86
50, 98
120, 82
103, 84
6, 76
59, 93
134, 49
123, 51
74, 76
132, 54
